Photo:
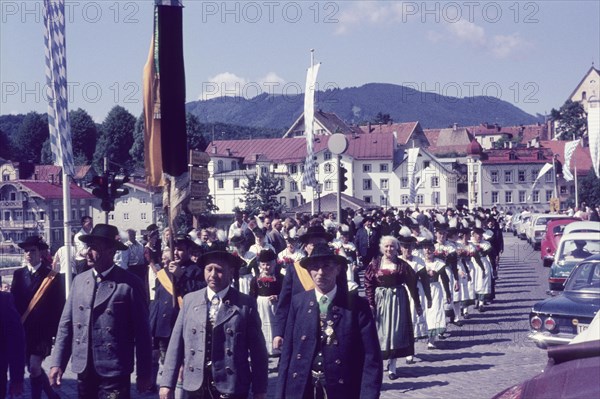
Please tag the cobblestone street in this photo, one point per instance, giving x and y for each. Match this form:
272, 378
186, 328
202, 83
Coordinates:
487, 354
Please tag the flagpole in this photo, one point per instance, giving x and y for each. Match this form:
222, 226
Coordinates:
312, 203
576, 188
67, 228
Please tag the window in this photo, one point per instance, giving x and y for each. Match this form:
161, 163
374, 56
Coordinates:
404, 199
275, 166
327, 155
522, 197
540, 155
535, 196
111, 216
82, 212
435, 198
293, 186
494, 197
383, 184
328, 185
302, 168
220, 165
143, 200
549, 176
293, 202
124, 200
293, 169
282, 200
233, 165
383, 167
143, 215
5, 177
435, 181
420, 199
583, 95
73, 214
383, 200
534, 173
426, 164
366, 184
404, 182
367, 167
563, 190
55, 214
508, 176
126, 216
220, 184
521, 176
548, 195
367, 199
236, 183
508, 197
328, 168
512, 156
475, 177
494, 176
264, 170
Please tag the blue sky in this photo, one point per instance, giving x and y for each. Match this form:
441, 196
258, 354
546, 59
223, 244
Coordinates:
531, 54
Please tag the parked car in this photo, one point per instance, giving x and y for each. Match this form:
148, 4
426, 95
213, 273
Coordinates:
552, 236
583, 227
569, 372
557, 320
537, 228
514, 223
572, 249
524, 225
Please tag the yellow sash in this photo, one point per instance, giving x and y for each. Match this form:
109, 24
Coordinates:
166, 282
304, 277
38, 294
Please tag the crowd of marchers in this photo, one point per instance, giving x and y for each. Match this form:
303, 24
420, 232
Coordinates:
198, 314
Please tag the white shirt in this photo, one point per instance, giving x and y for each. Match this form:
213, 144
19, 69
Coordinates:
221, 294
61, 257
33, 269
80, 245
104, 273
136, 253
330, 295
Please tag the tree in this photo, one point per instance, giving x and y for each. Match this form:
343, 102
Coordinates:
46, 156
4, 145
382, 119
83, 135
571, 121
115, 139
137, 149
260, 193
28, 142
195, 137
589, 189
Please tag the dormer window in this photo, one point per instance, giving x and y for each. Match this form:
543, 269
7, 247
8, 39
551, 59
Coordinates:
540, 155
583, 95
512, 156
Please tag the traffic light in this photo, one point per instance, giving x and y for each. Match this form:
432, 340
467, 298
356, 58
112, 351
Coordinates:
342, 179
100, 190
116, 186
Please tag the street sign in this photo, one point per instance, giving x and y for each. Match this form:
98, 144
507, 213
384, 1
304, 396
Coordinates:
199, 158
199, 173
199, 189
197, 206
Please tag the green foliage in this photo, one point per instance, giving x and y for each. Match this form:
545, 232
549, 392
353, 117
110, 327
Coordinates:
382, 119
4, 145
115, 140
27, 143
137, 149
572, 121
46, 157
260, 193
83, 135
195, 138
589, 189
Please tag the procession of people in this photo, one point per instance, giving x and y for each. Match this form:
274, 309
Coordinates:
199, 313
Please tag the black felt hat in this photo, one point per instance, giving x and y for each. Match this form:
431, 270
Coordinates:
34, 241
320, 253
105, 233
315, 232
266, 255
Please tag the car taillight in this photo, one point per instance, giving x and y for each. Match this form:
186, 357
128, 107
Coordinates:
549, 324
536, 323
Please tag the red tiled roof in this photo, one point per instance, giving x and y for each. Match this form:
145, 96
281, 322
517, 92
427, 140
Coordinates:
44, 172
54, 191
529, 132
293, 150
449, 140
403, 130
581, 156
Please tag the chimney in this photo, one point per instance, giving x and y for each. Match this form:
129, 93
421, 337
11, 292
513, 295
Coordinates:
455, 126
369, 127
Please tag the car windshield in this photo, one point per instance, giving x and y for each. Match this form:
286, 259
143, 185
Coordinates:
586, 277
542, 220
558, 229
574, 250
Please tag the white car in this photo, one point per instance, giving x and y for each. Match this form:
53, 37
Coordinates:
524, 225
582, 227
537, 228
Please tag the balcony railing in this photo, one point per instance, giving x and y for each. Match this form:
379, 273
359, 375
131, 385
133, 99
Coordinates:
18, 224
11, 204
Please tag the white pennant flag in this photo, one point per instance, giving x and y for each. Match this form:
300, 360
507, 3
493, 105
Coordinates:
543, 171
594, 133
413, 153
570, 148
309, 117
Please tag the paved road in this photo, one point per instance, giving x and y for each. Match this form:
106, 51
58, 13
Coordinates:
489, 353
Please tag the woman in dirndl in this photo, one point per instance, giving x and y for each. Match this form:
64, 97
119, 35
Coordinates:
480, 250
466, 271
266, 288
387, 279
440, 293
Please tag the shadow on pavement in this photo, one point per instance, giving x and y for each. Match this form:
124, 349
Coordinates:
440, 357
412, 385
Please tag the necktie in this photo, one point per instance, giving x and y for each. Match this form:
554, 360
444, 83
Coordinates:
323, 304
214, 307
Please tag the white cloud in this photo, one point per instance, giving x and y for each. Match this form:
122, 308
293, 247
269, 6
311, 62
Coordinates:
372, 12
434, 37
503, 46
468, 32
231, 85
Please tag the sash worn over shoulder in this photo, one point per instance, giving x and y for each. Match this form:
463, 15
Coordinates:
304, 277
39, 294
166, 282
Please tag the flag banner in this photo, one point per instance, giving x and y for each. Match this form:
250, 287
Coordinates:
542, 172
594, 133
164, 96
413, 154
56, 81
570, 148
309, 178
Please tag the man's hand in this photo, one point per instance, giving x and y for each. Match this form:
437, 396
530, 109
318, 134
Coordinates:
15, 389
456, 286
419, 310
55, 376
143, 383
277, 343
165, 393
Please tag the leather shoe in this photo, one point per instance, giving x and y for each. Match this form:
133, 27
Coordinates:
392, 376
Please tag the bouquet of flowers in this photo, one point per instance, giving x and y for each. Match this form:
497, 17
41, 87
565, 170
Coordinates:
266, 279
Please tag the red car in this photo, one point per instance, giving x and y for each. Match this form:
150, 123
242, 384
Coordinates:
554, 231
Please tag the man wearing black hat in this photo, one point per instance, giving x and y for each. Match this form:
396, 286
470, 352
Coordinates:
218, 337
39, 297
367, 241
104, 321
331, 347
